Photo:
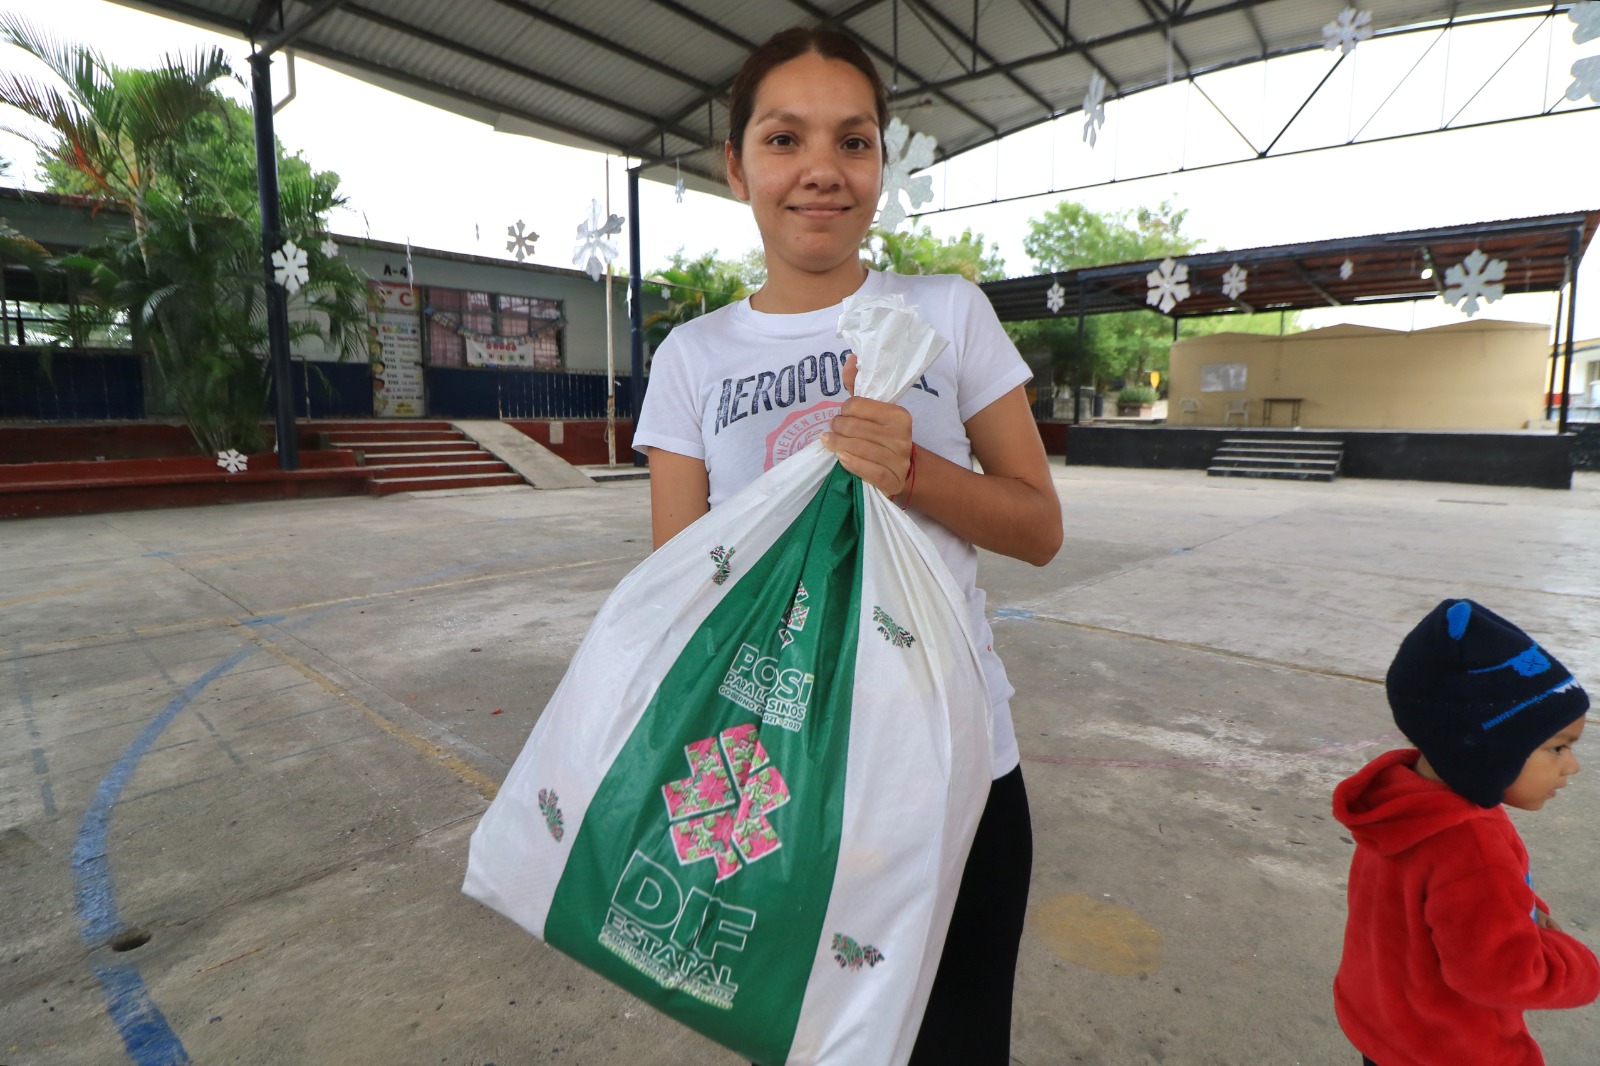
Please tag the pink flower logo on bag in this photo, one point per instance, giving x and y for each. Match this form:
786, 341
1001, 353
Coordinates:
720, 810
723, 557
892, 631
852, 956
551, 812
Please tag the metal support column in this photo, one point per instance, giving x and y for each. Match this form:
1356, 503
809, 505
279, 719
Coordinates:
271, 240
1574, 258
1080, 358
1555, 351
635, 306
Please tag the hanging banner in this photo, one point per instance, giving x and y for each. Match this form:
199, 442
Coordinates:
503, 351
396, 351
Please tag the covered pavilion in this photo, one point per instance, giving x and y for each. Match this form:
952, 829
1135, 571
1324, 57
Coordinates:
1541, 255
647, 79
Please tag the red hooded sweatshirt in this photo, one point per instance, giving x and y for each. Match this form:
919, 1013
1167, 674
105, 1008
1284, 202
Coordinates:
1442, 952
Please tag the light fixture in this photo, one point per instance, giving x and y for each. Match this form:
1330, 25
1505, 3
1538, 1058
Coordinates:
1427, 272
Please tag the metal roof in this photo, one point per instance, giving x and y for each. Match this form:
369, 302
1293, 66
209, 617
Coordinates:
1384, 268
647, 78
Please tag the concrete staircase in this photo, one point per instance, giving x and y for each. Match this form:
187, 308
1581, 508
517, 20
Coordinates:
1297, 460
418, 456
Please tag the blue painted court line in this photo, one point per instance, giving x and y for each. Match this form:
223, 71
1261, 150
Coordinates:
145, 1033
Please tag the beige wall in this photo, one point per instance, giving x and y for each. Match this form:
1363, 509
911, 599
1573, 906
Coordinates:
1472, 375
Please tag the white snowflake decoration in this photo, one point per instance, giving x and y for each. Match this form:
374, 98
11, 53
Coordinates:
1585, 79
1094, 108
1586, 13
1169, 285
1235, 281
1346, 269
904, 159
329, 247
232, 461
521, 242
289, 266
1055, 298
677, 186
1348, 30
1475, 276
593, 252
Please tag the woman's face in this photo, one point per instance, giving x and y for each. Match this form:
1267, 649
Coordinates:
812, 163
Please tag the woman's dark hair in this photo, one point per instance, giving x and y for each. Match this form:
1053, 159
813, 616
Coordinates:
792, 44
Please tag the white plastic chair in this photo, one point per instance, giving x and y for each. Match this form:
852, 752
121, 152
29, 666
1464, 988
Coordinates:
1237, 407
1190, 407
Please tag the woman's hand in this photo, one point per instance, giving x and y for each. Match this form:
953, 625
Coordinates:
872, 439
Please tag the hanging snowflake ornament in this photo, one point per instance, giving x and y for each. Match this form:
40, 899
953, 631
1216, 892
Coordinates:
1056, 298
1585, 79
1586, 13
289, 266
1235, 281
1348, 30
521, 242
1094, 108
1169, 285
677, 186
1475, 276
905, 159
329, 247
593, 252
232, 461
1346, 269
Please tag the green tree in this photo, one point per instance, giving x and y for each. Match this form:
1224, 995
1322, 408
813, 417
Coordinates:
918, 251
176, 159
693, 287
1123, 346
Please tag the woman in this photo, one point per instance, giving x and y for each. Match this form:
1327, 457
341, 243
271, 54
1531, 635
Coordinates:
742, 388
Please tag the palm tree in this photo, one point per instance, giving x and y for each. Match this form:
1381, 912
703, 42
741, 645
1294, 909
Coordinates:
167, 149
693, 287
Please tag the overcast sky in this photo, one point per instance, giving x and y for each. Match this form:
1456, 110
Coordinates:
442, 181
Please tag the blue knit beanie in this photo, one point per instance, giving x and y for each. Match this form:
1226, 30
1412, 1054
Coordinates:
1477, 696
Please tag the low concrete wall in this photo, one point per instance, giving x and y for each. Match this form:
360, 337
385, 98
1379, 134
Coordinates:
1521, 459
1586, 447
582, 443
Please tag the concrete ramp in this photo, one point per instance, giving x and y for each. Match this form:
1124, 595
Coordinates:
537, 465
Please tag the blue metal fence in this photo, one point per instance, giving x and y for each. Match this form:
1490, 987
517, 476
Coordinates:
76, 385
458, 392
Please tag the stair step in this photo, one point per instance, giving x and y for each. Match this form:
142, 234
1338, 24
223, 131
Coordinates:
370, 438
1275, 442
409, 471
387, 447
388, 487
376, 425
1270, 472
412, 458
1276, 462
1231, 449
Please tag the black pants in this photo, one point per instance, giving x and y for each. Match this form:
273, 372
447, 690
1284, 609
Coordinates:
968, 1021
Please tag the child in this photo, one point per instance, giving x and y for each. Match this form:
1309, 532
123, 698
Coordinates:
1446, 943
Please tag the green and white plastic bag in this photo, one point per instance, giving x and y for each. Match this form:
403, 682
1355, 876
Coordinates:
750, 800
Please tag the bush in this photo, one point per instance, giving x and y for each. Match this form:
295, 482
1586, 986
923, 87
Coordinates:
1137, 394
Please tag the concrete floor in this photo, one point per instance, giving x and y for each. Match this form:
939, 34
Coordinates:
260, 736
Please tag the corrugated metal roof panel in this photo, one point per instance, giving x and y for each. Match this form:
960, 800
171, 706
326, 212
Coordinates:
640, 76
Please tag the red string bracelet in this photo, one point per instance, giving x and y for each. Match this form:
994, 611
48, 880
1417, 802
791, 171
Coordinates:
911, 479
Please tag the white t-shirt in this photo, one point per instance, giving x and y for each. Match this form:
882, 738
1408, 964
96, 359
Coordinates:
743, 390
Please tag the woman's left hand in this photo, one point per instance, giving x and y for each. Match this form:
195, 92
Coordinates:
872, 439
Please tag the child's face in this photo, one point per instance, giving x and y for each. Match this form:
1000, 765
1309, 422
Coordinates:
1546, 770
